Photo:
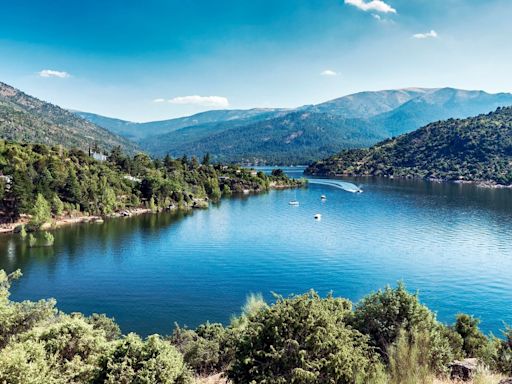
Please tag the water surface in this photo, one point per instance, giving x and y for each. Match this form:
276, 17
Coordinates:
451, 242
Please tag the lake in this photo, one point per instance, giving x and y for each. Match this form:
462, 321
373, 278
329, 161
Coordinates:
451, 242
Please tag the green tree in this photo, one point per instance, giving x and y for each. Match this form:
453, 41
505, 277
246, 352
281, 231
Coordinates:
473, 339
206, 159
57, 205
41, 212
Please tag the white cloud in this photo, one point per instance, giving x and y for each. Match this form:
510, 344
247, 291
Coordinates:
328, 72
429, 35
159, 100
376, 17
52, 73
373, 5
204, 101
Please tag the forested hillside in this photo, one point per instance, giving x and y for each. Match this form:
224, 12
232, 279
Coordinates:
473, 149
37, 177
296, 138
25, 118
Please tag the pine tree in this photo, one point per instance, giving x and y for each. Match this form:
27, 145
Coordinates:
41, 213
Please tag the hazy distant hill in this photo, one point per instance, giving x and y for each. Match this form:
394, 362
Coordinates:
139, 131
25, 118
475, 149
310, 132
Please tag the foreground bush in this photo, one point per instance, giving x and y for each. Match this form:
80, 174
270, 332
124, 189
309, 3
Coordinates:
303, 339
389, 338
385, 314
152, 361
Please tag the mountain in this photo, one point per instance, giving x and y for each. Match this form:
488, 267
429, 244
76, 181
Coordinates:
267, 136
439, 104
140, 131
25, 118
368, 104
472, 149
295, 138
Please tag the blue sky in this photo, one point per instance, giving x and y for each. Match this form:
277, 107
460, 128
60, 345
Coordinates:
157, 59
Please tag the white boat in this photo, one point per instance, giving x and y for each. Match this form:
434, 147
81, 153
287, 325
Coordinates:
293, 202
323, 197
318, 216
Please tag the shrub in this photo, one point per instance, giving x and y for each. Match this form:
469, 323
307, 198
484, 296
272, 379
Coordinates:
383, 315
152, 361
22, 363
203, 348
409, 359
473, 339
303, 339
19, 317
75, 347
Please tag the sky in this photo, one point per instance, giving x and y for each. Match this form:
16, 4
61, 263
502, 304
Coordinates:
158, 59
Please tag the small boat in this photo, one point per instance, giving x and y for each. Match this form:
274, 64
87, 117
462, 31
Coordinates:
293, 202
323, 197
318, 216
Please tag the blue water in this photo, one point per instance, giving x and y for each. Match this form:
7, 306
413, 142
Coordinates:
452, 243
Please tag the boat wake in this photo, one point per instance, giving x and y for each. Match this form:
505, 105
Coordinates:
348, 187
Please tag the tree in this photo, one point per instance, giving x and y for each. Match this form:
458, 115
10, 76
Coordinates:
72, 190
57, 205
41, 212
206, 159
473, 339
278, 172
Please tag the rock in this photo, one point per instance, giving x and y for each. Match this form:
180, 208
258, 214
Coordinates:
45, 226
464, 370
506, 381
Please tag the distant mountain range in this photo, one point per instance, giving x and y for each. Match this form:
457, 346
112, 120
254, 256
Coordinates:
473, 149
254, 136
302, 135
27, 119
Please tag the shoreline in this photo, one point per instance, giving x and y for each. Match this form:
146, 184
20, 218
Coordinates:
56, 223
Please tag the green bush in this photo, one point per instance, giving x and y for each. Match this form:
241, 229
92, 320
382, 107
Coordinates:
303, 339
409, 359
152, 361
22, 363
383, 315
203, 348
473, 339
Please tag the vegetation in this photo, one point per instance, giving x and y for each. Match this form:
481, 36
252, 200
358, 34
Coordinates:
473, 149
48, 182
301, 339
27, 119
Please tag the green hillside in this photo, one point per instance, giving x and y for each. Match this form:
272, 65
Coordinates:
473, 149
25, 118
296, 138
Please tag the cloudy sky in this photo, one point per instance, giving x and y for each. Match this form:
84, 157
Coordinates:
157, 59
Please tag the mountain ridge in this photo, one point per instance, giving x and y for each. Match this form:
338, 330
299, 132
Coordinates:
29, 119
475, 149
271, 136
